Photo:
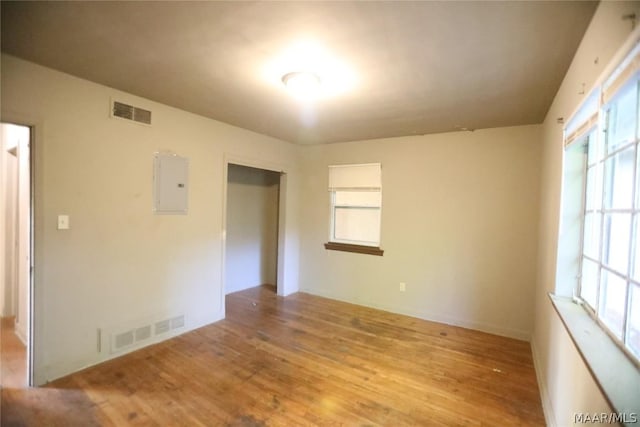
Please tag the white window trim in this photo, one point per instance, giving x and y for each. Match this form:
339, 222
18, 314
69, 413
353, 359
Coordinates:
575, 133
615, 372
370, 180
332, 224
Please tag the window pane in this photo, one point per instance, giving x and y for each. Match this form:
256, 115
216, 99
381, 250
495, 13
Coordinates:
594, 188
589, 282
358, 198
360, 225
621, 123
613, 296
619, 180
592, 235
617, 228
633, 334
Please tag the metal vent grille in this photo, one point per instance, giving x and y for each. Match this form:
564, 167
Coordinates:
142, 116
129, 112
143, 333
124, 339
177, 322
162, 327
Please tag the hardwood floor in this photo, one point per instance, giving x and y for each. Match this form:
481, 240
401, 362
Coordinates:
298, 361
13, 356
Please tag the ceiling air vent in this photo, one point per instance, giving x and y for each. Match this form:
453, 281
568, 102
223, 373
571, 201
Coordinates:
129, 112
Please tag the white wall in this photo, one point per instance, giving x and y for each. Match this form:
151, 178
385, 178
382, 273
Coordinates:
120, 264
252, 228
566, 385
459, 223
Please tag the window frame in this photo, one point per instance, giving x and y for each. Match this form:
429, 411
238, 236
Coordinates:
348, 245
614, 370
335, 206
594, 129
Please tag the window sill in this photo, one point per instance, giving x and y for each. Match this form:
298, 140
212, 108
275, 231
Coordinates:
616, 375
359, 249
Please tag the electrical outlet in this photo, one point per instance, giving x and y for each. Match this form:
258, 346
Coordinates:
403, 286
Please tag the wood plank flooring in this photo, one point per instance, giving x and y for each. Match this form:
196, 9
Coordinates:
299, 361
13, 356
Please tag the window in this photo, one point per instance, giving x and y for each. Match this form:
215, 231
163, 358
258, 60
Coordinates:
606, 130
356, 205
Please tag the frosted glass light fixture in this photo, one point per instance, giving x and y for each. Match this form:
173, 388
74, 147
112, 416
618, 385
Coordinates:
302, 84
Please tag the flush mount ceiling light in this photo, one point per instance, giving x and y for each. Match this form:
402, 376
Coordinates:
302, 84
309, 71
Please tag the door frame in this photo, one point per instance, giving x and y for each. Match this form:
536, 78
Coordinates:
282, 199
35, 130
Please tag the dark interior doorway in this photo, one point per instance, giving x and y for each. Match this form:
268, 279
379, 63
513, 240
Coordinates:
252, 228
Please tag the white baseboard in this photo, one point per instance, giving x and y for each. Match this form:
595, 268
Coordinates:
547, 407
432, 317
61, 369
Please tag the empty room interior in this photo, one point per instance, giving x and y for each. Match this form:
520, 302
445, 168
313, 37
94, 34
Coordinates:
320, 213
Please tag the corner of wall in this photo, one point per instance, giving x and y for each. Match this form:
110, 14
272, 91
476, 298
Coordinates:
547, 405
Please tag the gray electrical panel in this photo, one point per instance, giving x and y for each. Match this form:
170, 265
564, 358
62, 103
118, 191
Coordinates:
170, 184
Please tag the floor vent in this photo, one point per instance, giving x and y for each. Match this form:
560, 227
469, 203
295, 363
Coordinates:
129, 112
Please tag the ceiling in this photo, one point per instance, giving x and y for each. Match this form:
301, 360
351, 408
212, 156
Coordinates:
397, 68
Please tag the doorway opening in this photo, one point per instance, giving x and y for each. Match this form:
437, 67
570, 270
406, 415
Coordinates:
252, 228
16, 249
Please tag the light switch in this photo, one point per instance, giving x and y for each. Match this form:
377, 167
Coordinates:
63, 222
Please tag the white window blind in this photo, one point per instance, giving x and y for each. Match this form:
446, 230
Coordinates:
621, 75
584, 119
350, 177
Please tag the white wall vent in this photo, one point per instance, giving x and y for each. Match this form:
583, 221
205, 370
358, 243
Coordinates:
129, 112
143, 333
163, 326
122, 340
177, 322
139, 336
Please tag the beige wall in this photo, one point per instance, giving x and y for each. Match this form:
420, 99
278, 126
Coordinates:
119, 265
566, 385
459, 223
252, 228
